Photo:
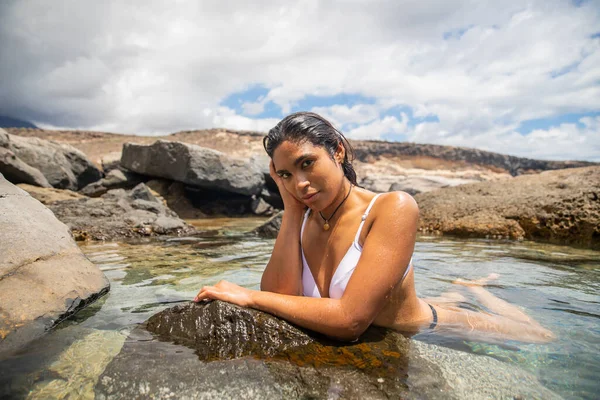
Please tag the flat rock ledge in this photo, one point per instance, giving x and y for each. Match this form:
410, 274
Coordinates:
560, 207
44, 276
216, 350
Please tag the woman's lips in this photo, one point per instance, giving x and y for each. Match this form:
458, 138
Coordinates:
309, 197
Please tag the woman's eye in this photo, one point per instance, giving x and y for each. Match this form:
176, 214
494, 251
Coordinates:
307, 163
284, 175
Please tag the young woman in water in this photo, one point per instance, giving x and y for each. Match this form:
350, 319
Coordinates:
343, 256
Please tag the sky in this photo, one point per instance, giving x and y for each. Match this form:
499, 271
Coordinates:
514, 77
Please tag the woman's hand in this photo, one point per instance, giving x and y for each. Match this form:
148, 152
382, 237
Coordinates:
290, 203
226, 291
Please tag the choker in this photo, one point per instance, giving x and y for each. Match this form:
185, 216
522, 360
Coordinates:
326, 224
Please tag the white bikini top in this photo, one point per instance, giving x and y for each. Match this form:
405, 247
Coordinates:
346, 267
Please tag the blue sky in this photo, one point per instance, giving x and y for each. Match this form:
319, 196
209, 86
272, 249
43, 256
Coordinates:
513, 77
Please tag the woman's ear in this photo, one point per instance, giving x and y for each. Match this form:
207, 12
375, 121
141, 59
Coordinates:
340, 153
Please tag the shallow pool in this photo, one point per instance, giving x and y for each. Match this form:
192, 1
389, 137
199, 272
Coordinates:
557, 285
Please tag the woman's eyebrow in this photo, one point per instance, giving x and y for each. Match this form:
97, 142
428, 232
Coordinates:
302, 158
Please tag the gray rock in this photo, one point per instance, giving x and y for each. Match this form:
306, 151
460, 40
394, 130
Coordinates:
270, 229
142, 192
114, 179
63, 165
16, 171
260, 207
218, 350
194, 165
44, 277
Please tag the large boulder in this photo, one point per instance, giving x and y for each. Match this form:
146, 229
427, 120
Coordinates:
561, 206
218, 350
62, 165
194, 165
118, 214
44, 277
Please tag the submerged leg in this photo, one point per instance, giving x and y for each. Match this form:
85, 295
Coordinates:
492, 302
446, 298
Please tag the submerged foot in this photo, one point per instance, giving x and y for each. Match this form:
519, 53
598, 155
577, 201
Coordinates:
477, 282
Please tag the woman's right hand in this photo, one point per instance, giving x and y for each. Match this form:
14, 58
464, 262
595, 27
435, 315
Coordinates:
290, 203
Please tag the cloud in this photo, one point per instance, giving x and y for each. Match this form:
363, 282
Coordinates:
479, 69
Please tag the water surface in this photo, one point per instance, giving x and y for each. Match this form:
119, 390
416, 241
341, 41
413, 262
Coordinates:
557, 285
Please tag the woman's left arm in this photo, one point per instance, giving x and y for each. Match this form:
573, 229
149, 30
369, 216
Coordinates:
386, 254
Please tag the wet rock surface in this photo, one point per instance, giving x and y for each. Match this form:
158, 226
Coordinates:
218, 350
270, 229
62, 165
557, 206
119, 214
194, 165
44, 277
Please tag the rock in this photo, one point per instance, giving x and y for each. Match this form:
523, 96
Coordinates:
114, 179
62, 165
378, 183
260, 207
272, 197
176, 197
16, 171
560, 206
110, 161
49, 195
420, 184
218, 350
270, 229
44, 277
119, 214
194, 165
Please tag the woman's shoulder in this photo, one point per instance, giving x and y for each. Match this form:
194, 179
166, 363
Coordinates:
395, 204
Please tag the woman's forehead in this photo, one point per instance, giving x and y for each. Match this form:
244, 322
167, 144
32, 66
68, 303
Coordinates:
288, 151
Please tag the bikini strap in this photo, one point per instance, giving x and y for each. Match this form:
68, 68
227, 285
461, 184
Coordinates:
304, 223
364, 217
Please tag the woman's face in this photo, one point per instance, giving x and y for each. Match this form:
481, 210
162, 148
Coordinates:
309, 173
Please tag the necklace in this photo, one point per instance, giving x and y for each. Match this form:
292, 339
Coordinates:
326, 224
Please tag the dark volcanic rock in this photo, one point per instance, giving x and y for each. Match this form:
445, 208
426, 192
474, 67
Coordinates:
44, 276
63, 165
221, 351
557, 206
16, 171
194, 165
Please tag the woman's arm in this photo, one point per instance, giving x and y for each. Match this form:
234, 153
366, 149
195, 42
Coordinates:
283, 273
386, 253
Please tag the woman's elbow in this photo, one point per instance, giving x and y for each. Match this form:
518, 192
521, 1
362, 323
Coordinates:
351, 330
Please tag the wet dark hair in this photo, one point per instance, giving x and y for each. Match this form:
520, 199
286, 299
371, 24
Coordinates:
311, 127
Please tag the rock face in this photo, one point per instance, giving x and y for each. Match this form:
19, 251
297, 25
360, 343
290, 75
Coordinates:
194, 165
232, 352
62, 165
115, 215
558, 206
44, 277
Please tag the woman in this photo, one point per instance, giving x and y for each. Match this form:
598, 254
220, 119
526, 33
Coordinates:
342, 258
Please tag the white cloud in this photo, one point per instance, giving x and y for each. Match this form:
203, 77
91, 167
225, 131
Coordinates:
480, 67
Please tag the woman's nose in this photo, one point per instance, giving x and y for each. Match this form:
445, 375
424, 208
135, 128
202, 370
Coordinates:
301, 182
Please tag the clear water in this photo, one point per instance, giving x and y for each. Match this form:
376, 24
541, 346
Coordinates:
558, 285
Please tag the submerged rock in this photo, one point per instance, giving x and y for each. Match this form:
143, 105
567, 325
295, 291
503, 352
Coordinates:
221, 351
560, 206
194, 165
44, 277
270, 229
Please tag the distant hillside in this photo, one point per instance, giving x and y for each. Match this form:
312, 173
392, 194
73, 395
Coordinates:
246, 144
8, 122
